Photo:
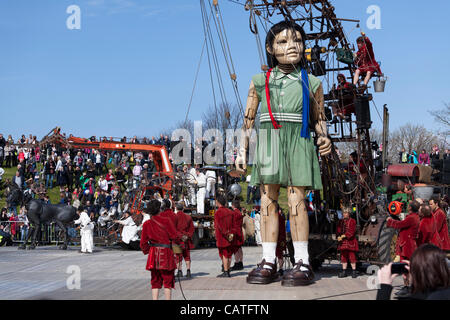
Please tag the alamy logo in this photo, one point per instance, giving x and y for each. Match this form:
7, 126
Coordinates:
372, 281
74, 20
374, 21
73, 282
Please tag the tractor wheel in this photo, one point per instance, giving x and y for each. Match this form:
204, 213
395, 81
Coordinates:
386, 244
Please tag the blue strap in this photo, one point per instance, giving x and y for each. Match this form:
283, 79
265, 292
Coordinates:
305, 115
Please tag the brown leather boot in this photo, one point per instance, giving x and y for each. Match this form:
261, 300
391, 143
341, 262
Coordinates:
296, 277
261, 275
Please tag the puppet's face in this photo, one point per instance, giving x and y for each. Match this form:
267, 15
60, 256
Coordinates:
287, 47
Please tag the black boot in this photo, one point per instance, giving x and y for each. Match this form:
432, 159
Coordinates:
237, 266
188, 274
223, 270
225, 274
180, 273
342, 274
354, 274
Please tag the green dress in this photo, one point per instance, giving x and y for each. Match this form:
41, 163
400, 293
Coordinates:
282, 156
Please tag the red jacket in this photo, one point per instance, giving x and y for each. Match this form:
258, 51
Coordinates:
237, 228
185, 226
409, 230
168, 213
440, 218
158, 230
347, 227
428, 232
223, 224
365, 58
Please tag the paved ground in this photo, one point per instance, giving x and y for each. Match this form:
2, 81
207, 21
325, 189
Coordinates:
114, 274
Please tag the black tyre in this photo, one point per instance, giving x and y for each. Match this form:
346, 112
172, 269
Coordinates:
386, 244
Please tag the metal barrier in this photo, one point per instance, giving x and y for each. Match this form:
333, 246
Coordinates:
50, 234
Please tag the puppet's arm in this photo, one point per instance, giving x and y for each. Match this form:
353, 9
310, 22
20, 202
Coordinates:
249, 122
319, 122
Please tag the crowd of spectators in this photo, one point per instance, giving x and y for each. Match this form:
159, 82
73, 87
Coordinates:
424, 158
99, 181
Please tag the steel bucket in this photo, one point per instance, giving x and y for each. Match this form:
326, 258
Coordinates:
379, 84
423, 192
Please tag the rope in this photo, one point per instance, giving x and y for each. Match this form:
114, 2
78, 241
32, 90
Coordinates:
195, 82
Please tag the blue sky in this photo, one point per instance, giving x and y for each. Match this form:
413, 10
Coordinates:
130, 69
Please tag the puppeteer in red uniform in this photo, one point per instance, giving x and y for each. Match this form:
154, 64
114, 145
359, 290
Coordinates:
365, 60
440, 218
428, 232
345, 97
186, 230
238, 240
408, 232
157, 235
348, 244
224, 227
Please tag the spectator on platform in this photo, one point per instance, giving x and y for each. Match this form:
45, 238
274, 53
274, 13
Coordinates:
435, 154
412, 158
403, 156
424, 158
446, 154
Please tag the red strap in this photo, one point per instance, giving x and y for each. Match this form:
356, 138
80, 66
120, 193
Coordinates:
274, 123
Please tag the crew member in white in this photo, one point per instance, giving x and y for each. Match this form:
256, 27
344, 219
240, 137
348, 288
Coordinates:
86, 231
129, 232
210, 184
201, 191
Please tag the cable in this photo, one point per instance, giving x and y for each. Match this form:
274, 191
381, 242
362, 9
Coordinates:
181, 288
195, 81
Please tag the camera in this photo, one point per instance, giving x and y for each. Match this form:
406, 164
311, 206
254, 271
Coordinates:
399, 268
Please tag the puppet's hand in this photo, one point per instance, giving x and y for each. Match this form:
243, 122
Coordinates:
241, 161
324, 144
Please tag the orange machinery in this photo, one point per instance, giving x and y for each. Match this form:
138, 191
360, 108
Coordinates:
160, 156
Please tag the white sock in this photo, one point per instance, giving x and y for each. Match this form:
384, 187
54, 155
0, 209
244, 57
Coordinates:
269, 249
301, 252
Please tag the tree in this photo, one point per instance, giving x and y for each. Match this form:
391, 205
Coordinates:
413, 137
443, 117
224, 117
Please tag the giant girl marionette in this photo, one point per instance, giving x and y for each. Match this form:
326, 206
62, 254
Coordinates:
292, 104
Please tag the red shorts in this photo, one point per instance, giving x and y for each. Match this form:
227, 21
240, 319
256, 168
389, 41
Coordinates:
186, 255
226, 252
235, 249
160, 277
347, 255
